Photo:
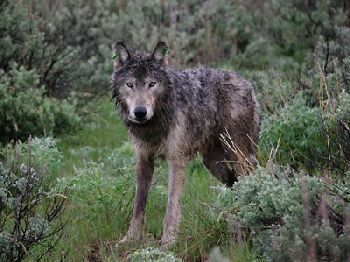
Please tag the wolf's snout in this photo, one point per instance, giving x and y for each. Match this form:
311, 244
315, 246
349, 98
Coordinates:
140, 111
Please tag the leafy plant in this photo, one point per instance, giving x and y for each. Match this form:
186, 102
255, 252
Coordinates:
30, 213
152, 254
25, 110
287, 215
295, 132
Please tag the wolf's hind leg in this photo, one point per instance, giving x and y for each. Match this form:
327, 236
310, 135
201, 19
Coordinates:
144, 172
215, 161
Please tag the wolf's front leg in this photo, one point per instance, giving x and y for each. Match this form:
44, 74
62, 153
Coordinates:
144, 172
173, 214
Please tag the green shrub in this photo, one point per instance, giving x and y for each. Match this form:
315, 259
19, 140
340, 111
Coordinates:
30, 212
152, 254
328, 68
295, 132
312, 131
308, 137
336, 131
44, 155
25, 110
45, 36
282, 212
295, 25
273, 90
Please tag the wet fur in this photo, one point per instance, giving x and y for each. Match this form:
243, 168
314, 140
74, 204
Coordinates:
191, 110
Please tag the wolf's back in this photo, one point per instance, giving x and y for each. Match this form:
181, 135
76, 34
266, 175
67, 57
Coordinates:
219, 96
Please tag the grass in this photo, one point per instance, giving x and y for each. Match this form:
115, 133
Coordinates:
98, 169
101, 132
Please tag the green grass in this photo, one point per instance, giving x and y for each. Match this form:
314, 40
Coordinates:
102, 131
98, 167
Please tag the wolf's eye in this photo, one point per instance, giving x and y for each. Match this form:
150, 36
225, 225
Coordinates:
129, 85
152, 84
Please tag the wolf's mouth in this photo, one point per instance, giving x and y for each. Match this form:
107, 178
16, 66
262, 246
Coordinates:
138, 121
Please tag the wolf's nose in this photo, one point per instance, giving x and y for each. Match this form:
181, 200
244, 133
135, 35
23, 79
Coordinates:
140, 111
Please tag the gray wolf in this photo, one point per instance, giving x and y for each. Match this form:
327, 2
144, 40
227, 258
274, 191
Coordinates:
172, 115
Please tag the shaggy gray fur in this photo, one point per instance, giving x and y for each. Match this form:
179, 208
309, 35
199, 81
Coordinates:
186, 113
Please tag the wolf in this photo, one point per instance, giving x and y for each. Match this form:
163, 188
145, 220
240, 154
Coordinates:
174, 115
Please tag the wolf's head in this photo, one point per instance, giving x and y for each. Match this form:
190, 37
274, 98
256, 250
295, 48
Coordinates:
140, 82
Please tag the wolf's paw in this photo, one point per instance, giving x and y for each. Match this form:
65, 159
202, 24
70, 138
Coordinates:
129, 237
167, 241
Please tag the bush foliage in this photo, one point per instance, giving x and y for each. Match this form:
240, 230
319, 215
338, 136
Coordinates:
29, 210
289, 216
25, 110
153, 254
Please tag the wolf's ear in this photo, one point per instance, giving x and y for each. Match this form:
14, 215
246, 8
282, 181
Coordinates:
160, 53
120, 54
